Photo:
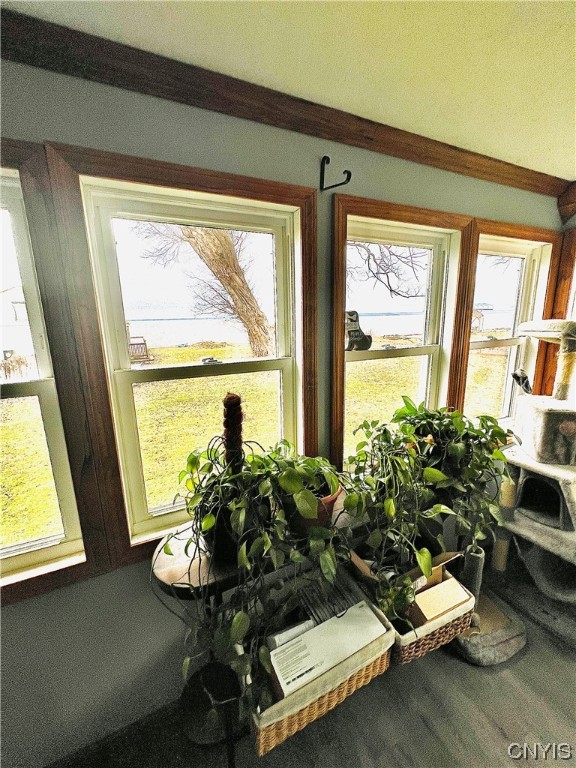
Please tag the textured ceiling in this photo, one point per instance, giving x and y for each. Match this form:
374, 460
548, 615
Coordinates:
494, 77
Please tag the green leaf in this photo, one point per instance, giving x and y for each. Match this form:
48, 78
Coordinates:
424, 560
432, 475
242, 559
264, 658
296, 556
194, 500
190, 484
166, 548
182, 475
409, 404
277, 556
307, 504
237, 519
290, 481
328, 564
257, 547
351, 502
241, 665
375, 539
499, 456
331, 480
390, 509
265, 487
185, 667
192, 462
267, 542
222, 640
208, 522
239, 626
456, 450
317, 546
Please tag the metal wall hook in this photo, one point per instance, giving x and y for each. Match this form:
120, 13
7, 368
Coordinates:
324, 162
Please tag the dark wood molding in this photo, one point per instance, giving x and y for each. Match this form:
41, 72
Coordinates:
502, 229
38, 43
561, 293
92, 162
348, 205
29, 159
567, 203
341, 206
458, 368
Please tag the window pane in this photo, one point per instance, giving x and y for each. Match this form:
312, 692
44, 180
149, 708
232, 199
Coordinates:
486, 381
30, 507
387, 285
496, 296
374, 390
18, 361
194, 293
176, 417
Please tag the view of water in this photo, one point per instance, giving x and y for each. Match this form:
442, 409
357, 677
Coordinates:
175, 331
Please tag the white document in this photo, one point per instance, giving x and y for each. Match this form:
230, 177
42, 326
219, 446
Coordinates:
321, 648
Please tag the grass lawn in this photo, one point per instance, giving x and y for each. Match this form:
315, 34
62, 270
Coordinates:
28, 503
175, 417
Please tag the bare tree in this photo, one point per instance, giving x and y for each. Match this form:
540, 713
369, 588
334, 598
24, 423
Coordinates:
228, 293
400, 268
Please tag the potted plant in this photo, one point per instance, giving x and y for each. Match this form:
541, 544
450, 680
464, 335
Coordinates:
387, 499
259, 512
462, 468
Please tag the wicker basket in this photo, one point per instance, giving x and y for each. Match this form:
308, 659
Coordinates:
289, 715
270, 736
402, 654
412, 645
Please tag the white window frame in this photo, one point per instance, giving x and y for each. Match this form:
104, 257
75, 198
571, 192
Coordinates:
530, 306
46, 554
105, 200
439, 322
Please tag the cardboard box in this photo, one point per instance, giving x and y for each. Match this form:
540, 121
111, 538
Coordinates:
436, 594
435, 601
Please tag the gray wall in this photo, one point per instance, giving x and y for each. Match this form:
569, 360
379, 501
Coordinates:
87, 659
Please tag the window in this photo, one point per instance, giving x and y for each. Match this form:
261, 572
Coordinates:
197, 297
427, 304
395, 283
40, 529
508, 274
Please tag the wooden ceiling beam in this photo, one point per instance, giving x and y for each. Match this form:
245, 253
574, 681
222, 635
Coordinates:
39, 43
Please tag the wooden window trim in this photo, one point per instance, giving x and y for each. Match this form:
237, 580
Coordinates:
90, 162
39, 43
470, 229
545, 359
51, 187
561, 297
29, 159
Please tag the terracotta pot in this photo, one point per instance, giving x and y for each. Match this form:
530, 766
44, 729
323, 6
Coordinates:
325, 509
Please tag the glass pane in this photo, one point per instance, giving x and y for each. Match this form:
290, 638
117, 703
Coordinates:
29, 509
176, 417
486, 381
196, 293
387, 286
18, 361
374, 390
496, 296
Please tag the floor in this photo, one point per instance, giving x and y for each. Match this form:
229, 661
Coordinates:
437, 712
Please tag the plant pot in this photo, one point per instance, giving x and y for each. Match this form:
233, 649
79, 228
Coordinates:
301, 525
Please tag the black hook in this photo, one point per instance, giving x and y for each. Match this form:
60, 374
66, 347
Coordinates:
347, 175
